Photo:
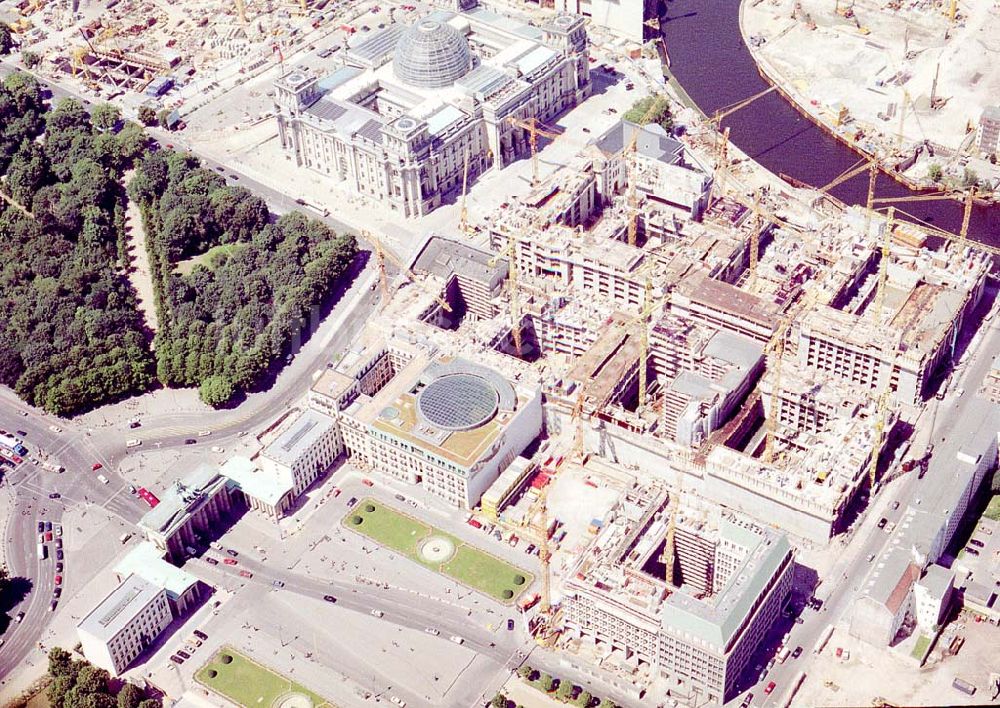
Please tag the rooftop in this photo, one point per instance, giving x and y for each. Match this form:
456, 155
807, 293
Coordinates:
182, 498
147, 562
119, 608
299, 437
255, 482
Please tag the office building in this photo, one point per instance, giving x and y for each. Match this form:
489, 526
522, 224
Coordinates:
124, 624
414, 106
183, 590
304, 450
735, 575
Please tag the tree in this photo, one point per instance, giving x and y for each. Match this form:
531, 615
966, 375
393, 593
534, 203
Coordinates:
608, 703
969, 178
151, 703
147, 115
30, 59
163, 118
565, 690
105, 116
934, 172
58, 689
584, 699
652, 109
92, 679
6, 39
61, 663
525, 671
499, 701
216, 390
130, 696
546, 683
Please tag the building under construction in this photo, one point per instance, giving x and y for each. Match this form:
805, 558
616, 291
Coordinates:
694, 622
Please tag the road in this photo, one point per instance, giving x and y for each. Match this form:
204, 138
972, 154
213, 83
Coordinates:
77, 448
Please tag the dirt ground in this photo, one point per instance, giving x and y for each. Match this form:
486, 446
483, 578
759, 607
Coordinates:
895, 677
138, 274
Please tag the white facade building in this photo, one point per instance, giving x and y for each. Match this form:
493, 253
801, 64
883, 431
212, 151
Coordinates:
413, 105
124, 624
303, 451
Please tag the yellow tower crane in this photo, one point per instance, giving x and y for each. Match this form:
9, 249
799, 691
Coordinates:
758, 224
535, 128
382, 254
631, 154
722, 144
883, 269
776, 349
669, 542
513, 291
463, 214
961, 238
241, 11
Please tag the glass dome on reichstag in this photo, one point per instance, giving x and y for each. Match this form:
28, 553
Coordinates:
431, 54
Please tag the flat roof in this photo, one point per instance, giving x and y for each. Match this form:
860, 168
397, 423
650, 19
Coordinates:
119, 608
299, 437
269, 487
717, 618
146, 561
444, 257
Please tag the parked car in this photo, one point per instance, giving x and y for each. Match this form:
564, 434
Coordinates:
232, 552
367, 482
246, 574
377, 613
797, 653
329, 598
882, 522
432, 631
211, 561
971, 551
58, 530
278, 583
177, 660
351, 502
48, 525
201, 635
55, 495
190, 441
19, 617
96, 466
41, 526
530, 549
183, 654
229, 561
510, 625
770, 688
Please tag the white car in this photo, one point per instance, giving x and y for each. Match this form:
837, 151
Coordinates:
102, 479
377, 613
398, 701
457, 639
431, 630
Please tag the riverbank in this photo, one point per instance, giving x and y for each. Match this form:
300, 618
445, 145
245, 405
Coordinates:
851, 84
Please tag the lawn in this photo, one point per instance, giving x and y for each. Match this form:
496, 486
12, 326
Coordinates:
247, 683
469, 565
993, 509
920, 648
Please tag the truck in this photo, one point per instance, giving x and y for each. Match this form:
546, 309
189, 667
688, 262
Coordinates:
529, 602
783, 654
823, 639
43, 551
13, 444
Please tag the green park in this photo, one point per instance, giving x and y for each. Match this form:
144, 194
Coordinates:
247, 683
433, 548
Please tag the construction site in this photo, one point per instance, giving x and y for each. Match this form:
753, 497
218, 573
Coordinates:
912, 85
157, 48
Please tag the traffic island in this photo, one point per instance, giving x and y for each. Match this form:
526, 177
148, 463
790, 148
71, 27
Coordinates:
432, 548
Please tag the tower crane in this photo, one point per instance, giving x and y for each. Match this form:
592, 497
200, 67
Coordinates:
535, 128
961, 237
755, 240
669, 543
722, 144
776, 349
512, 291
463, 214
630, 153
382, 254
883, 269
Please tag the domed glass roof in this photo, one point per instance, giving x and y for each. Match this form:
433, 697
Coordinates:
460, 401
431, 54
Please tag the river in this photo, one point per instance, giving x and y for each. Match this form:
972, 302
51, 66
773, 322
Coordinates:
710, 60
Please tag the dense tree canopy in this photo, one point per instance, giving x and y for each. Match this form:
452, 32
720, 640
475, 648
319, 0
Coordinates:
651, 109
239, 306
71, 337
78, 684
